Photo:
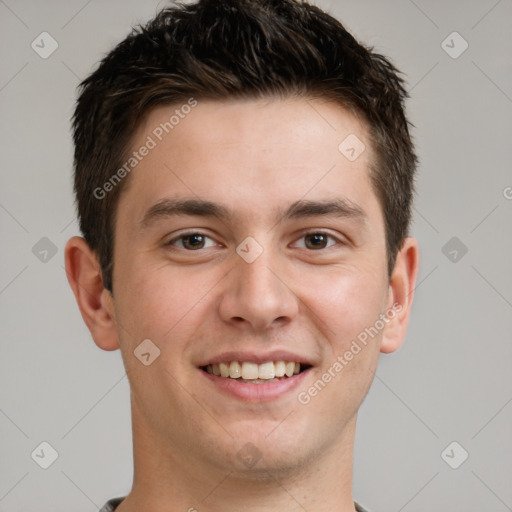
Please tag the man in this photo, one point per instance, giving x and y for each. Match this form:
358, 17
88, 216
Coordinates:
244, 176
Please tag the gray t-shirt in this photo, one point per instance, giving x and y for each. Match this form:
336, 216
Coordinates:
112, 504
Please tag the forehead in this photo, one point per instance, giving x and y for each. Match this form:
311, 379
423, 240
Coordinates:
253, 154
311, 123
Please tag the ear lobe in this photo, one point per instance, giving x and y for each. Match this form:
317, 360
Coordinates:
401, 295
94, 301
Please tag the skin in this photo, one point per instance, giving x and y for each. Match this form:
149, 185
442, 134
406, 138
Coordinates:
254, 157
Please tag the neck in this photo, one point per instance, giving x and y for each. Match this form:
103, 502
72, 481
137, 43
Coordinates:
166, 480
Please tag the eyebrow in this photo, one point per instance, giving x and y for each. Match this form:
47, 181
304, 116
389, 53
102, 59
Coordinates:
166, 208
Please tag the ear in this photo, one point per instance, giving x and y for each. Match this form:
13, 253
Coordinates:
400, 295
94, 301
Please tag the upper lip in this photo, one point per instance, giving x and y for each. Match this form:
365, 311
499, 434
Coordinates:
258, 357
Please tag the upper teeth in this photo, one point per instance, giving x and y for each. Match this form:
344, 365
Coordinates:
251, 371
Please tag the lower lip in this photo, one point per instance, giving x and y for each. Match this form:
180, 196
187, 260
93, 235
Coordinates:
256, 392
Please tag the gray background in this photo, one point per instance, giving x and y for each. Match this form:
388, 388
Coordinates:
451, 381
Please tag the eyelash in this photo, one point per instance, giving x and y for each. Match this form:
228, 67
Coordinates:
308, 233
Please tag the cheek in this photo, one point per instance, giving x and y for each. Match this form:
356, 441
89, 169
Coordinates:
163, 303
346, 306
345, 302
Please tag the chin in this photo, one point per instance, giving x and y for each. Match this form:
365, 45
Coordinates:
270, 465
266, 451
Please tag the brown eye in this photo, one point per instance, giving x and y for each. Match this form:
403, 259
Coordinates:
192, 242
316, 240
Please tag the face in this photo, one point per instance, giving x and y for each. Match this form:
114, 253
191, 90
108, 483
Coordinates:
246, 241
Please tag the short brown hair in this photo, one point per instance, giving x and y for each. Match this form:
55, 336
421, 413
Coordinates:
222, 49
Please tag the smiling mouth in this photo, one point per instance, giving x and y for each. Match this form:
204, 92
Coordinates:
253, 373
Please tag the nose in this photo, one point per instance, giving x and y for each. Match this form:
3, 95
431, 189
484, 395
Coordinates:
257, 296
